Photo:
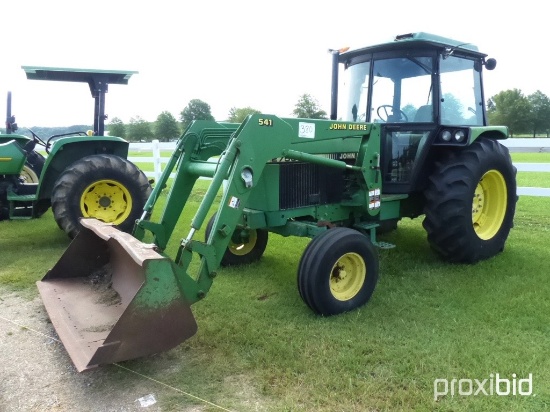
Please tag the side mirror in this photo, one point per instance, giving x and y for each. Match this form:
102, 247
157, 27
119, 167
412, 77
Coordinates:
490, 64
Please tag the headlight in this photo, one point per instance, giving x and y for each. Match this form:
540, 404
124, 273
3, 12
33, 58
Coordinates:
460, 136
452, 136
446, 136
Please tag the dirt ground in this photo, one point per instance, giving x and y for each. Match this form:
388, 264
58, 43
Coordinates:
38, 375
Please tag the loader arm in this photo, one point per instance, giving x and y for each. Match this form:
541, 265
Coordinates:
258, 140
201, 141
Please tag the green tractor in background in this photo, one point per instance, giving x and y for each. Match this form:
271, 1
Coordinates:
408, 137
85, 173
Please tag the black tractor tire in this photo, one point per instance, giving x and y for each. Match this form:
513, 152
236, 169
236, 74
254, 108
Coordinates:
238, 252
105, 187
33, 168
471, 202
338, 271
4, 204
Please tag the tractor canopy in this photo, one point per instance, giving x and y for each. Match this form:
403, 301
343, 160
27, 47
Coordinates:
98, 80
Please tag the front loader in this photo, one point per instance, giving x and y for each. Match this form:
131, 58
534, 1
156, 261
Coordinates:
411, 139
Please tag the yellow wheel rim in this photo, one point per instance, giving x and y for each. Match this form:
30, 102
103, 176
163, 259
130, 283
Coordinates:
241, 249
28, 175
106, 200
489, 204
347, 276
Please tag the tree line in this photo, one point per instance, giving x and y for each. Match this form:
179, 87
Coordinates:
166, 127
524, 115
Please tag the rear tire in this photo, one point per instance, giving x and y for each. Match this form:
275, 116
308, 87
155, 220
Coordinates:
338, 271
106, 187
242, 250
471, 202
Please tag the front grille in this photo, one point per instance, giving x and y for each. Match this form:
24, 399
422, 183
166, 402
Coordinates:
306, 184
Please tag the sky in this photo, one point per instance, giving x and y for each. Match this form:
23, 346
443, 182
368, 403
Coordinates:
238, 53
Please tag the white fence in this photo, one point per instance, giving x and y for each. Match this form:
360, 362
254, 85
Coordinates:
515, 145
533, 145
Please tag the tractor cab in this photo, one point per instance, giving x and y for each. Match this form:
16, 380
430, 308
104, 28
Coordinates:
422, 90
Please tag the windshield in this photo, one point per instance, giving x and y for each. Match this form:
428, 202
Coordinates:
402, 91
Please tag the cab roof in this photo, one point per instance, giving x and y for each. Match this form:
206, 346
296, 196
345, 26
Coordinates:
412, 41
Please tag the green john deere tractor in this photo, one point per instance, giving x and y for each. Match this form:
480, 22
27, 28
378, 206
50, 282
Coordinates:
408, 137
85, 173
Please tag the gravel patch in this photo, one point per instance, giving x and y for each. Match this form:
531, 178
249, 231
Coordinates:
38, 375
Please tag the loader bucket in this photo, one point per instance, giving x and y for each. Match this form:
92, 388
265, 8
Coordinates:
112, 298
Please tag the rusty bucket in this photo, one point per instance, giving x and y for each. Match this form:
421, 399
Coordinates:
113, 298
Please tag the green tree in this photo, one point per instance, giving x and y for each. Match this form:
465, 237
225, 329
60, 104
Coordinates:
116, 128
166, 127
139, 129
308, 108
510, 108
196, 109
238, 115
540, 112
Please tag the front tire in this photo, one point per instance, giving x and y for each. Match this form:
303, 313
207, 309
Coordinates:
338, 271
106, 187
471, 202
246, 245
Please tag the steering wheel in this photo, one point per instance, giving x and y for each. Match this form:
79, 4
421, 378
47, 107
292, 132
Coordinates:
384, 114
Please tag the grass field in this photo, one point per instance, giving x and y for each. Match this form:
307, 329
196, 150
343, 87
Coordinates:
532, 179
258, 343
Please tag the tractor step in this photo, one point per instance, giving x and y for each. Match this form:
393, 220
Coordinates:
21, 210
371, 229
384, 245
12, 197
24, 191
366, 225
22, 203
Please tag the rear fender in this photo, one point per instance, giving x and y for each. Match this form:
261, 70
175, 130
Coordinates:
489, 132
67, 150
